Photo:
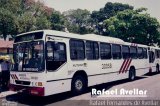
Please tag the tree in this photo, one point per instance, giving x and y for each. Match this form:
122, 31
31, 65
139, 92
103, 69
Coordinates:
26, 22
43, 23
7, 23
33, 16
133, 26
110, 9
18, 16
78, 21
8, 20
11, 5
57, 21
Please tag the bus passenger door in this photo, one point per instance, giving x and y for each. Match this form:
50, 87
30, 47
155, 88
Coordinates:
56, 55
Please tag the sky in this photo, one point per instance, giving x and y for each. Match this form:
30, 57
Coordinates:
91, 5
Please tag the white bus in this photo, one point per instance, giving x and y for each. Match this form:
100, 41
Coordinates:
48, 62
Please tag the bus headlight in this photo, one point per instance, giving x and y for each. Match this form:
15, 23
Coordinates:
39, 84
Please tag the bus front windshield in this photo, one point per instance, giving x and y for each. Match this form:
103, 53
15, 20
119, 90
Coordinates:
29, 56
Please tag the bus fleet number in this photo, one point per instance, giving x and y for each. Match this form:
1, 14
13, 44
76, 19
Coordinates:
106, 66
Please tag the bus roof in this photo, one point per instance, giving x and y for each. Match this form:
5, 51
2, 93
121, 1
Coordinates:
92, 37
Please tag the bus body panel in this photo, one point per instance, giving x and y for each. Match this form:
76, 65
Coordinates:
58, 86
32, 77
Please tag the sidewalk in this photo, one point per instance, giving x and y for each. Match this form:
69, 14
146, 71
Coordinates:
6, 93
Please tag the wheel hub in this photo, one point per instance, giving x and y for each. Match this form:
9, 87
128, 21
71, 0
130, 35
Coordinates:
78, 84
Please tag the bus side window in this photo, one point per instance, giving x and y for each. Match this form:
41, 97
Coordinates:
133, 52
140, 53
145, 53
105, 51
77, 50
92, 50
157, 53
125, 52
151, 56
116, 51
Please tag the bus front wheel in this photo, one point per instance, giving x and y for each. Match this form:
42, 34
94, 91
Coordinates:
78, 85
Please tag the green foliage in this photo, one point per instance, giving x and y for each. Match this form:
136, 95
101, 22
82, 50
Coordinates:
32, 16
11, 5
110, 9
25, 22
7, 22
57, 21
18, 16
42, 23
115, 19
132, 26
78, 21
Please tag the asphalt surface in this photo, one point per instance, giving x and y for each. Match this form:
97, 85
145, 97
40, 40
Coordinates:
148, 83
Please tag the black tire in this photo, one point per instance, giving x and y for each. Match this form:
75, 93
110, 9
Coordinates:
79, 85
132, 74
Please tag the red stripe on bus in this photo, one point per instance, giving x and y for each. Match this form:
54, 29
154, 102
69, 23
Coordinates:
16, 77
122, 66
12, 76
129, 63
125, 65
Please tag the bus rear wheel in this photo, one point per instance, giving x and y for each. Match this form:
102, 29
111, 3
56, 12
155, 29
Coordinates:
79, 85
132, 74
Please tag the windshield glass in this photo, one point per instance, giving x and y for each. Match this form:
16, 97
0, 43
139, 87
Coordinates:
29, 56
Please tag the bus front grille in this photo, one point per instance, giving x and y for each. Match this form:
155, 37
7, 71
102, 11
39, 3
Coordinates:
23, 82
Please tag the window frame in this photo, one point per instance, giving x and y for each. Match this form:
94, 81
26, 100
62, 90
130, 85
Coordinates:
120, 51
94, 55
157, 53
145, 55
136, 52
125, 52
101, 43
84, 54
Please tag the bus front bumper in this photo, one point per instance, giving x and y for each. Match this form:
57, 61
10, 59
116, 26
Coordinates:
36, 91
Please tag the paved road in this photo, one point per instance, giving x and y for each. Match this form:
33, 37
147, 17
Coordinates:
150, 83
